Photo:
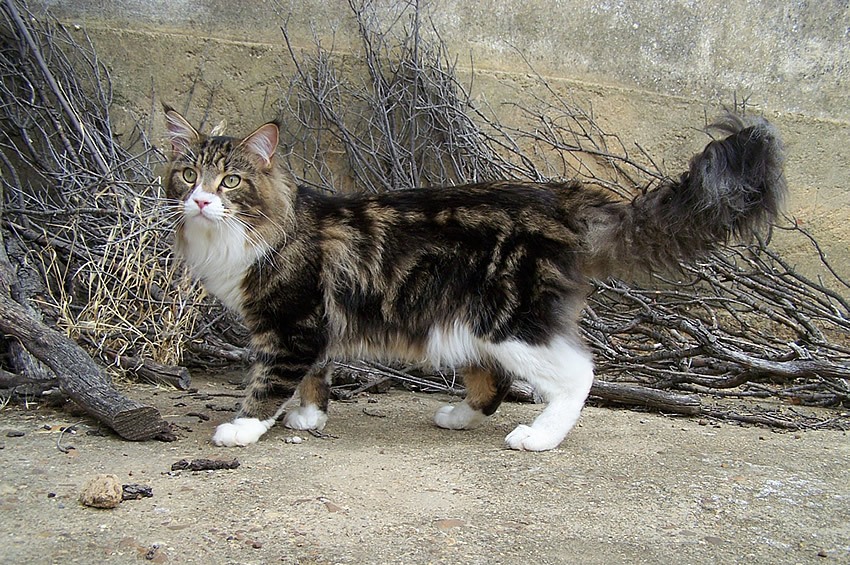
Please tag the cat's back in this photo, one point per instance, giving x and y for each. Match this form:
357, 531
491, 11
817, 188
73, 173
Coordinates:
481, 205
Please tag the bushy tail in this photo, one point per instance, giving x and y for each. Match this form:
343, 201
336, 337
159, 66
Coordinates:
732, 189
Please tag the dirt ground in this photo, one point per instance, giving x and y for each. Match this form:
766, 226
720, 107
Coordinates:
389, 487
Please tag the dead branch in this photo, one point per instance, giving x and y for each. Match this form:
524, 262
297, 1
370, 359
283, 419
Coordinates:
151, 371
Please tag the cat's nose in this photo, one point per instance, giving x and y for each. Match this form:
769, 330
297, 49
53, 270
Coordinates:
201, 201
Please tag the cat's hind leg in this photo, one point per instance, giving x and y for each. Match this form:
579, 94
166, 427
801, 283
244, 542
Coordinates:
485, 390
562, 373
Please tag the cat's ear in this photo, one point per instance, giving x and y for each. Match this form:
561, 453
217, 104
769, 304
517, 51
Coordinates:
263, 142
180, 131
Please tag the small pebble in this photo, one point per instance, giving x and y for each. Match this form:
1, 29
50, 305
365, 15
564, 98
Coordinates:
135, 492
293, 439
15, 433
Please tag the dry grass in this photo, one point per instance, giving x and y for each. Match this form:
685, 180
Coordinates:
80, 204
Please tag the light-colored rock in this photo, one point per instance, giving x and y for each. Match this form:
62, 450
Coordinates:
102, 491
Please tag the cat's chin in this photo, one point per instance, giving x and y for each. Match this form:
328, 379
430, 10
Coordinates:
241, 432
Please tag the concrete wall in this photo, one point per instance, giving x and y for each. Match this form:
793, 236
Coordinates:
651, 70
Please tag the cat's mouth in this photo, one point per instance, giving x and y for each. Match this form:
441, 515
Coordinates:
197, 216
203, 215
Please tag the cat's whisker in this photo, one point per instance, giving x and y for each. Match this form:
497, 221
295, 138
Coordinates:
170, 221
253, 238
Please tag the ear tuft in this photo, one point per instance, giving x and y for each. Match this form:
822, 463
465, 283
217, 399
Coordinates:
180, 131
263, 142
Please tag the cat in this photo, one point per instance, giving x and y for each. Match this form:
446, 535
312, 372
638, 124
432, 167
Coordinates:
488, 278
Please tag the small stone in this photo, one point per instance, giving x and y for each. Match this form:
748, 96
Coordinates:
294, 439
448, 523
156, 554
136, 492
102, 491
15, 433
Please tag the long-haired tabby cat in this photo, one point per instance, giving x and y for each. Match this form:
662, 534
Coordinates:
488, 278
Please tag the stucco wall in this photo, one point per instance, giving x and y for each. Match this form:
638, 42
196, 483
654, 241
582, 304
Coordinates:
650, 70
789, 56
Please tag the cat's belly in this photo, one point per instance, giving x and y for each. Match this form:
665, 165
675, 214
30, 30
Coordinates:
453, 345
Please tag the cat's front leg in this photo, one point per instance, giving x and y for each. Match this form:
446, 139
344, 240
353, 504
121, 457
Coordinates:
314, 392
272, 382
258, 412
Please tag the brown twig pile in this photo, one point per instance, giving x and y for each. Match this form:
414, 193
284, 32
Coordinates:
80, 226
744, 323
77, 209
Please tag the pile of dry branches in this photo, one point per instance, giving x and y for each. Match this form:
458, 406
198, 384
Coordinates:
92, 254
77, 202
744, 323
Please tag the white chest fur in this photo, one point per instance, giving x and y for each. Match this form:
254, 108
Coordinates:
218, 249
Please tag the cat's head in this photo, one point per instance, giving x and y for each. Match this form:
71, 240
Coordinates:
227, 188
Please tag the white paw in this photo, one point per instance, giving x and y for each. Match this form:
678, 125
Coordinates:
458, 417
308, 417
526, 438
241, 432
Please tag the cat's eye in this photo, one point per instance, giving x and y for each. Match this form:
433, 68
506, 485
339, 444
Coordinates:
190, 175
231, 181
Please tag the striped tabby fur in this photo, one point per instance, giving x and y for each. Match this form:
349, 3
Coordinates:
488, 278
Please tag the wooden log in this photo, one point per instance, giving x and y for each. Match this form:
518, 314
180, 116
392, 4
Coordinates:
149, 370
642, 396
79, 377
